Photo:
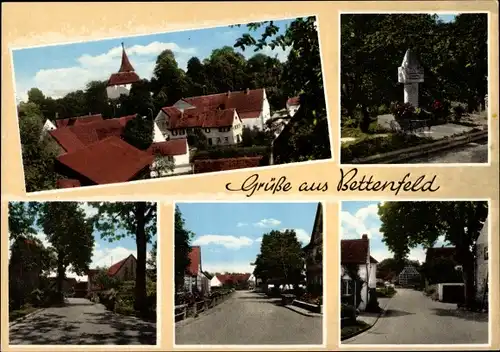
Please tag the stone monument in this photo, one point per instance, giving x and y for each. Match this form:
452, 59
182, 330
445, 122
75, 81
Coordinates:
410, 73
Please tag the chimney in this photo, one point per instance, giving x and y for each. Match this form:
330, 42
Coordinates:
247, 91
364, 237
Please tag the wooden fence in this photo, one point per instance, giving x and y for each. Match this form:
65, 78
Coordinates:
183, 311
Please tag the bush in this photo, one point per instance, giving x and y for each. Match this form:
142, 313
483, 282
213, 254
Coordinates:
404, 111
458, 112
108, 299
440, 109
348, 311
383, 109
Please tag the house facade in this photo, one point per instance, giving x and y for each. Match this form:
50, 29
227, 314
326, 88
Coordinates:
121, 82
194, 278
124, 270
481, 267
314, 255
355, 255
408, 276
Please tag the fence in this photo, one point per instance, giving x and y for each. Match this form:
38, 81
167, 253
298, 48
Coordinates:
183, 311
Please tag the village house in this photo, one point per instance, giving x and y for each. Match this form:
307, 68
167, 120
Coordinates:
314, 255
195, 279
220, 117
120, 83
238, 281
124, 270
409, 276
356, 253
292, 105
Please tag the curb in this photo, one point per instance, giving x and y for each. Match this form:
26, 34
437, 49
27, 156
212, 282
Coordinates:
24, 317
302, 311
423, 149
382, 313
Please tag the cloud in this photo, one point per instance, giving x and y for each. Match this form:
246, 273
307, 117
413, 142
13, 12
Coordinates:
267, 223
57, 82
241, 224
277, 52
353, 226
230, 242
302, 235
259, 240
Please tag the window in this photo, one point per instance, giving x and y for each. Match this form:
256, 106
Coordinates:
218, 140
346, 287
210, 141
226, 140
174, 132
207, 130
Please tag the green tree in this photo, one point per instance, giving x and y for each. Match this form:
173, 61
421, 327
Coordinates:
116, 220
139, 132
96, 99
37, 148
226, 70
406, 225
152, 261
182, 249
139, 101
280, 258
36, 96
198, 81
169, 83
22, 216
70, 234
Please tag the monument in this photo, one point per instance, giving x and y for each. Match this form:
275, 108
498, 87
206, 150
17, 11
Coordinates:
410, 73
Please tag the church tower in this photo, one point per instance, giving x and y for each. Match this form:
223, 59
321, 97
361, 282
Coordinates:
120, 83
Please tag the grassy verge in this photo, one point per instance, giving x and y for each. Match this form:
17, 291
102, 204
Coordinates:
385, 293
351, 330
19, 313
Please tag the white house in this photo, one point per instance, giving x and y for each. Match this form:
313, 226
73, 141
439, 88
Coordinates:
221, 117
215, 282
175, 150
292, 105
356, 253
194, 277
47, 126
121, 82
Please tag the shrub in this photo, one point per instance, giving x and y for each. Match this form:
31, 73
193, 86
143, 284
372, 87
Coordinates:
348, 311
403, 111
440, 109
383, 109
108, 299
458, 112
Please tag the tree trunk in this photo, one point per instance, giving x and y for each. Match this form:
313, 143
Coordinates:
470, 288
141, 242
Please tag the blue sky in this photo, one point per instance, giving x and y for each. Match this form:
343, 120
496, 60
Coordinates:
447, 17
105, 253
60, 69
229, 234
358, 218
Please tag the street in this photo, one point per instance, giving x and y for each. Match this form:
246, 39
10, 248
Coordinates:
249, 318
472, 153
412, 318
81, 322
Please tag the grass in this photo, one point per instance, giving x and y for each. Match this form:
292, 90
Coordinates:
351, 330
25, 310
355, 132
386, 292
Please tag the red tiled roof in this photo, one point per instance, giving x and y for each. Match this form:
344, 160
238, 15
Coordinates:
293, 101
78, 120
233, 278
68, 183
354, 251
169, 148
440, 252
201, 118
110, 160
210, 165
67, 139
195, 260
125, 66
115, 268
125, 74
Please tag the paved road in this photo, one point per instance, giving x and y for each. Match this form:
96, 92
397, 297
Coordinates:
472, 153
81, 322
413, 318
249, 318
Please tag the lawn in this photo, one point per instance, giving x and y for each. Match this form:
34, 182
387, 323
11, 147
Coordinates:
386, 292
351, 330
25, 310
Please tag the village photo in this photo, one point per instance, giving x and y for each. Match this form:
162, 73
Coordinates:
171, 104
82, 273
414, 272
414, 88
248, 274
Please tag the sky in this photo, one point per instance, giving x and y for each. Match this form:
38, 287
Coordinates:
447, 18
229, 234
60, 69
105, 253
358, 218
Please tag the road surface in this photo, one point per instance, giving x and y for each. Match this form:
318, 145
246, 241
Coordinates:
412, 318
81, 322
248, 318
472, 153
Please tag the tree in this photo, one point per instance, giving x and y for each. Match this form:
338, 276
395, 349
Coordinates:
37, 148
96, 98
70, 236
169, 83
390, 268
22, 216
36, 96
139, 101
139, 132
152, 261
406, 225
182, 249
116, 220
281, 258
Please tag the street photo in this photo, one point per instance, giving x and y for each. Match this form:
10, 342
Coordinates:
414, 88
171, 104
249, 274
82, 273
414, 273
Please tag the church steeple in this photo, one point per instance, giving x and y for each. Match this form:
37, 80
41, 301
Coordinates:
125, 66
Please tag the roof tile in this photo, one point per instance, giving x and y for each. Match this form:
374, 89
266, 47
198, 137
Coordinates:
354, 251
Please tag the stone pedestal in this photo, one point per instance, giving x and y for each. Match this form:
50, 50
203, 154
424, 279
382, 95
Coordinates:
411, 94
